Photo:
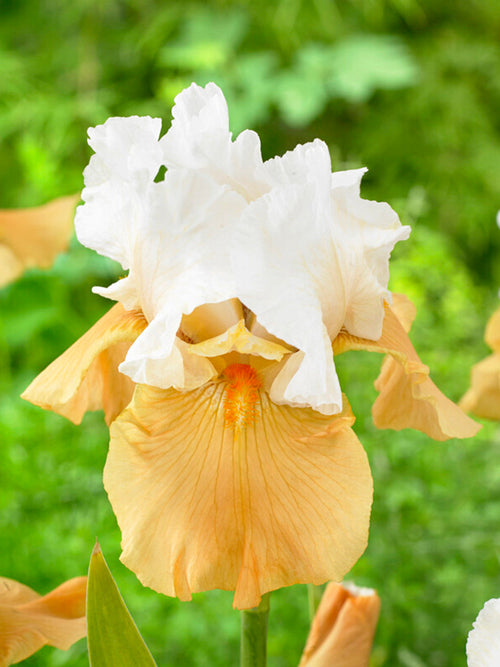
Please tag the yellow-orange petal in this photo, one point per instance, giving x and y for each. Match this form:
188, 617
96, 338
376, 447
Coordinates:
34, 236
86, 376
408, 397
343, 628
239, 339
483, 396
211, 319
404, 309
281, 496
28, 621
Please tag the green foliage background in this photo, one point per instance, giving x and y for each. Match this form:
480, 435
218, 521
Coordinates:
409, 88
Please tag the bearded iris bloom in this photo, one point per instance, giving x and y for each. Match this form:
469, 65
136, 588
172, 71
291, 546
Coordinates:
232, 460
34, 236
28, 621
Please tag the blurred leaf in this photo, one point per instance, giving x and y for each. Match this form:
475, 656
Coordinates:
113, 637
14, 79
352, 69
301, 98
251, 85
206, 41
362, 64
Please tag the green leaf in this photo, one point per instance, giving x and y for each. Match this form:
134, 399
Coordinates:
361, 64
113, 637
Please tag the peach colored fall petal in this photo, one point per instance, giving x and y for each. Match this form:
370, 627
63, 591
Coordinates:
34, 236
86, 377
343, 628
483, 396
408, 398
221, 488
404, 309
28, 621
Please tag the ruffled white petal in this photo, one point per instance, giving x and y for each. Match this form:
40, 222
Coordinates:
292, 385
200, 139
124, 148
199, 113
160, 359
117, 183
367, 232
181, 262
306, 163
483, 642
109, 219
124, 291
312, 257
294, 243
287, 273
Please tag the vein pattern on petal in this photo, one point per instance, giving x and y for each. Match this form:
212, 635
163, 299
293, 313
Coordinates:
86, 377
283, 499
408, 397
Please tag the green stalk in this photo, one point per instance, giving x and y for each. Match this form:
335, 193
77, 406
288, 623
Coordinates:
253, 646
314, 595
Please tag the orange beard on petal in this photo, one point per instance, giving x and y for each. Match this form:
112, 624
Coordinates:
242, 394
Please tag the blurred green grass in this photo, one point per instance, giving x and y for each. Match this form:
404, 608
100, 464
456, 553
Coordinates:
409, 88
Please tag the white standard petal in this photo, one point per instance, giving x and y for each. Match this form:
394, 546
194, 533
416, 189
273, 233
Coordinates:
306, 163
124, 147
366, 232
181, 262
200, 139
310, 258
117, 180
483, 642
111, 219
123, 290
288, 274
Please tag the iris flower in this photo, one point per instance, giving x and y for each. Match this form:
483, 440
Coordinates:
343, 628
34, 236
483, 642
232, 461
28, 621
483, 396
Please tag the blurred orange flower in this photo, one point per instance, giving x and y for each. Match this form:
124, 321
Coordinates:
343, 628
34, 236
483, 396
28, 621
232, 460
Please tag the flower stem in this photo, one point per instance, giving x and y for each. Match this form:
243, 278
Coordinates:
314, 595
253, 646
